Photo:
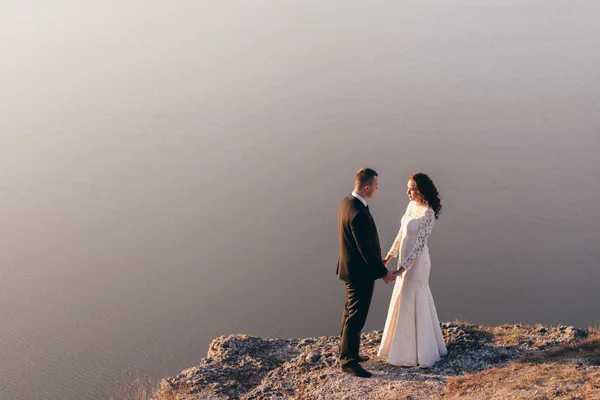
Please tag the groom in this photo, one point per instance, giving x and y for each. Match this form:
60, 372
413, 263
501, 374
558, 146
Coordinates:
359, 266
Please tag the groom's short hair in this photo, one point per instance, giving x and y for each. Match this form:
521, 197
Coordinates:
364, 176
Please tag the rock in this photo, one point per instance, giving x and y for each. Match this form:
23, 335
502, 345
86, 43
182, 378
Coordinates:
573, 332
313, 357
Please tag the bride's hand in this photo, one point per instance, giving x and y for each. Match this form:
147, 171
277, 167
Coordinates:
386, 261
389, 277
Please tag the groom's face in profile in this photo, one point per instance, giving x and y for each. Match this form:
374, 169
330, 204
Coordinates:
372, 187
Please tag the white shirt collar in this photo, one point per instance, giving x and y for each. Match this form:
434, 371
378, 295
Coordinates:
360, 198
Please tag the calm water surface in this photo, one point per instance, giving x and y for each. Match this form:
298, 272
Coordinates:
171, 172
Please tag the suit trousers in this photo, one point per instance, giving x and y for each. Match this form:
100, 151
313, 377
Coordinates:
358, 301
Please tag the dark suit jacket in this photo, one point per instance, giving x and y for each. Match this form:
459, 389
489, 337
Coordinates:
360, 251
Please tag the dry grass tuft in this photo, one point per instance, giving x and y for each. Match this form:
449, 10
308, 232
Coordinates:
586, 351
137, 388
569, 372
528, 381
512, 335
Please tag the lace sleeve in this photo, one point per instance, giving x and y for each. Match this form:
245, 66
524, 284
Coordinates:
395, 249
425, 226
396, 246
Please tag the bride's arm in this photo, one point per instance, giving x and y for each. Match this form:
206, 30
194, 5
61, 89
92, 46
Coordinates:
395, 249
425, 227
393, 253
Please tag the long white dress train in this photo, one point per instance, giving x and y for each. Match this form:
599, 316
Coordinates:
412, 334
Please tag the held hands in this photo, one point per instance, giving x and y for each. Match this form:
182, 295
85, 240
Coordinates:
390, 276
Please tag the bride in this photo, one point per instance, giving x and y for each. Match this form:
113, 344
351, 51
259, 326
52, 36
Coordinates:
412, 334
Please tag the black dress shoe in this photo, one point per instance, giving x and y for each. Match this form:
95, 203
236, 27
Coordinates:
363, 358
356, 370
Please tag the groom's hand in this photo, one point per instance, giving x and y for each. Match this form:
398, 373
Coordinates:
389, 277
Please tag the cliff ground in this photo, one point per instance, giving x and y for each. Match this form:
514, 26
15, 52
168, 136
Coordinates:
503, 362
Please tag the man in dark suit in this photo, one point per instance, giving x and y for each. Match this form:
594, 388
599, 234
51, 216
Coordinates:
359, 266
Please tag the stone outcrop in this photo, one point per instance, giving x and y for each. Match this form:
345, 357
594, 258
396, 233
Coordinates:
245, 367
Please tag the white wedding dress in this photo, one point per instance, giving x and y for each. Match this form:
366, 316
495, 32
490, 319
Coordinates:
412, 334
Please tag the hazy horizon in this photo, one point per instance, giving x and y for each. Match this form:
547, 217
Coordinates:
170, 172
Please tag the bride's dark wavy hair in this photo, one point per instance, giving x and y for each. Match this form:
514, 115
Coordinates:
428, 193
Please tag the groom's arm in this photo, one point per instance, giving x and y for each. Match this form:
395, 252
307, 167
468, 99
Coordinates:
360, 231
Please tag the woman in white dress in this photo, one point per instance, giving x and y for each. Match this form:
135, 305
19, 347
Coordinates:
412, 334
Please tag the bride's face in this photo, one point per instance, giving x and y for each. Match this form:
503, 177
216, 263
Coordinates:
412, 190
